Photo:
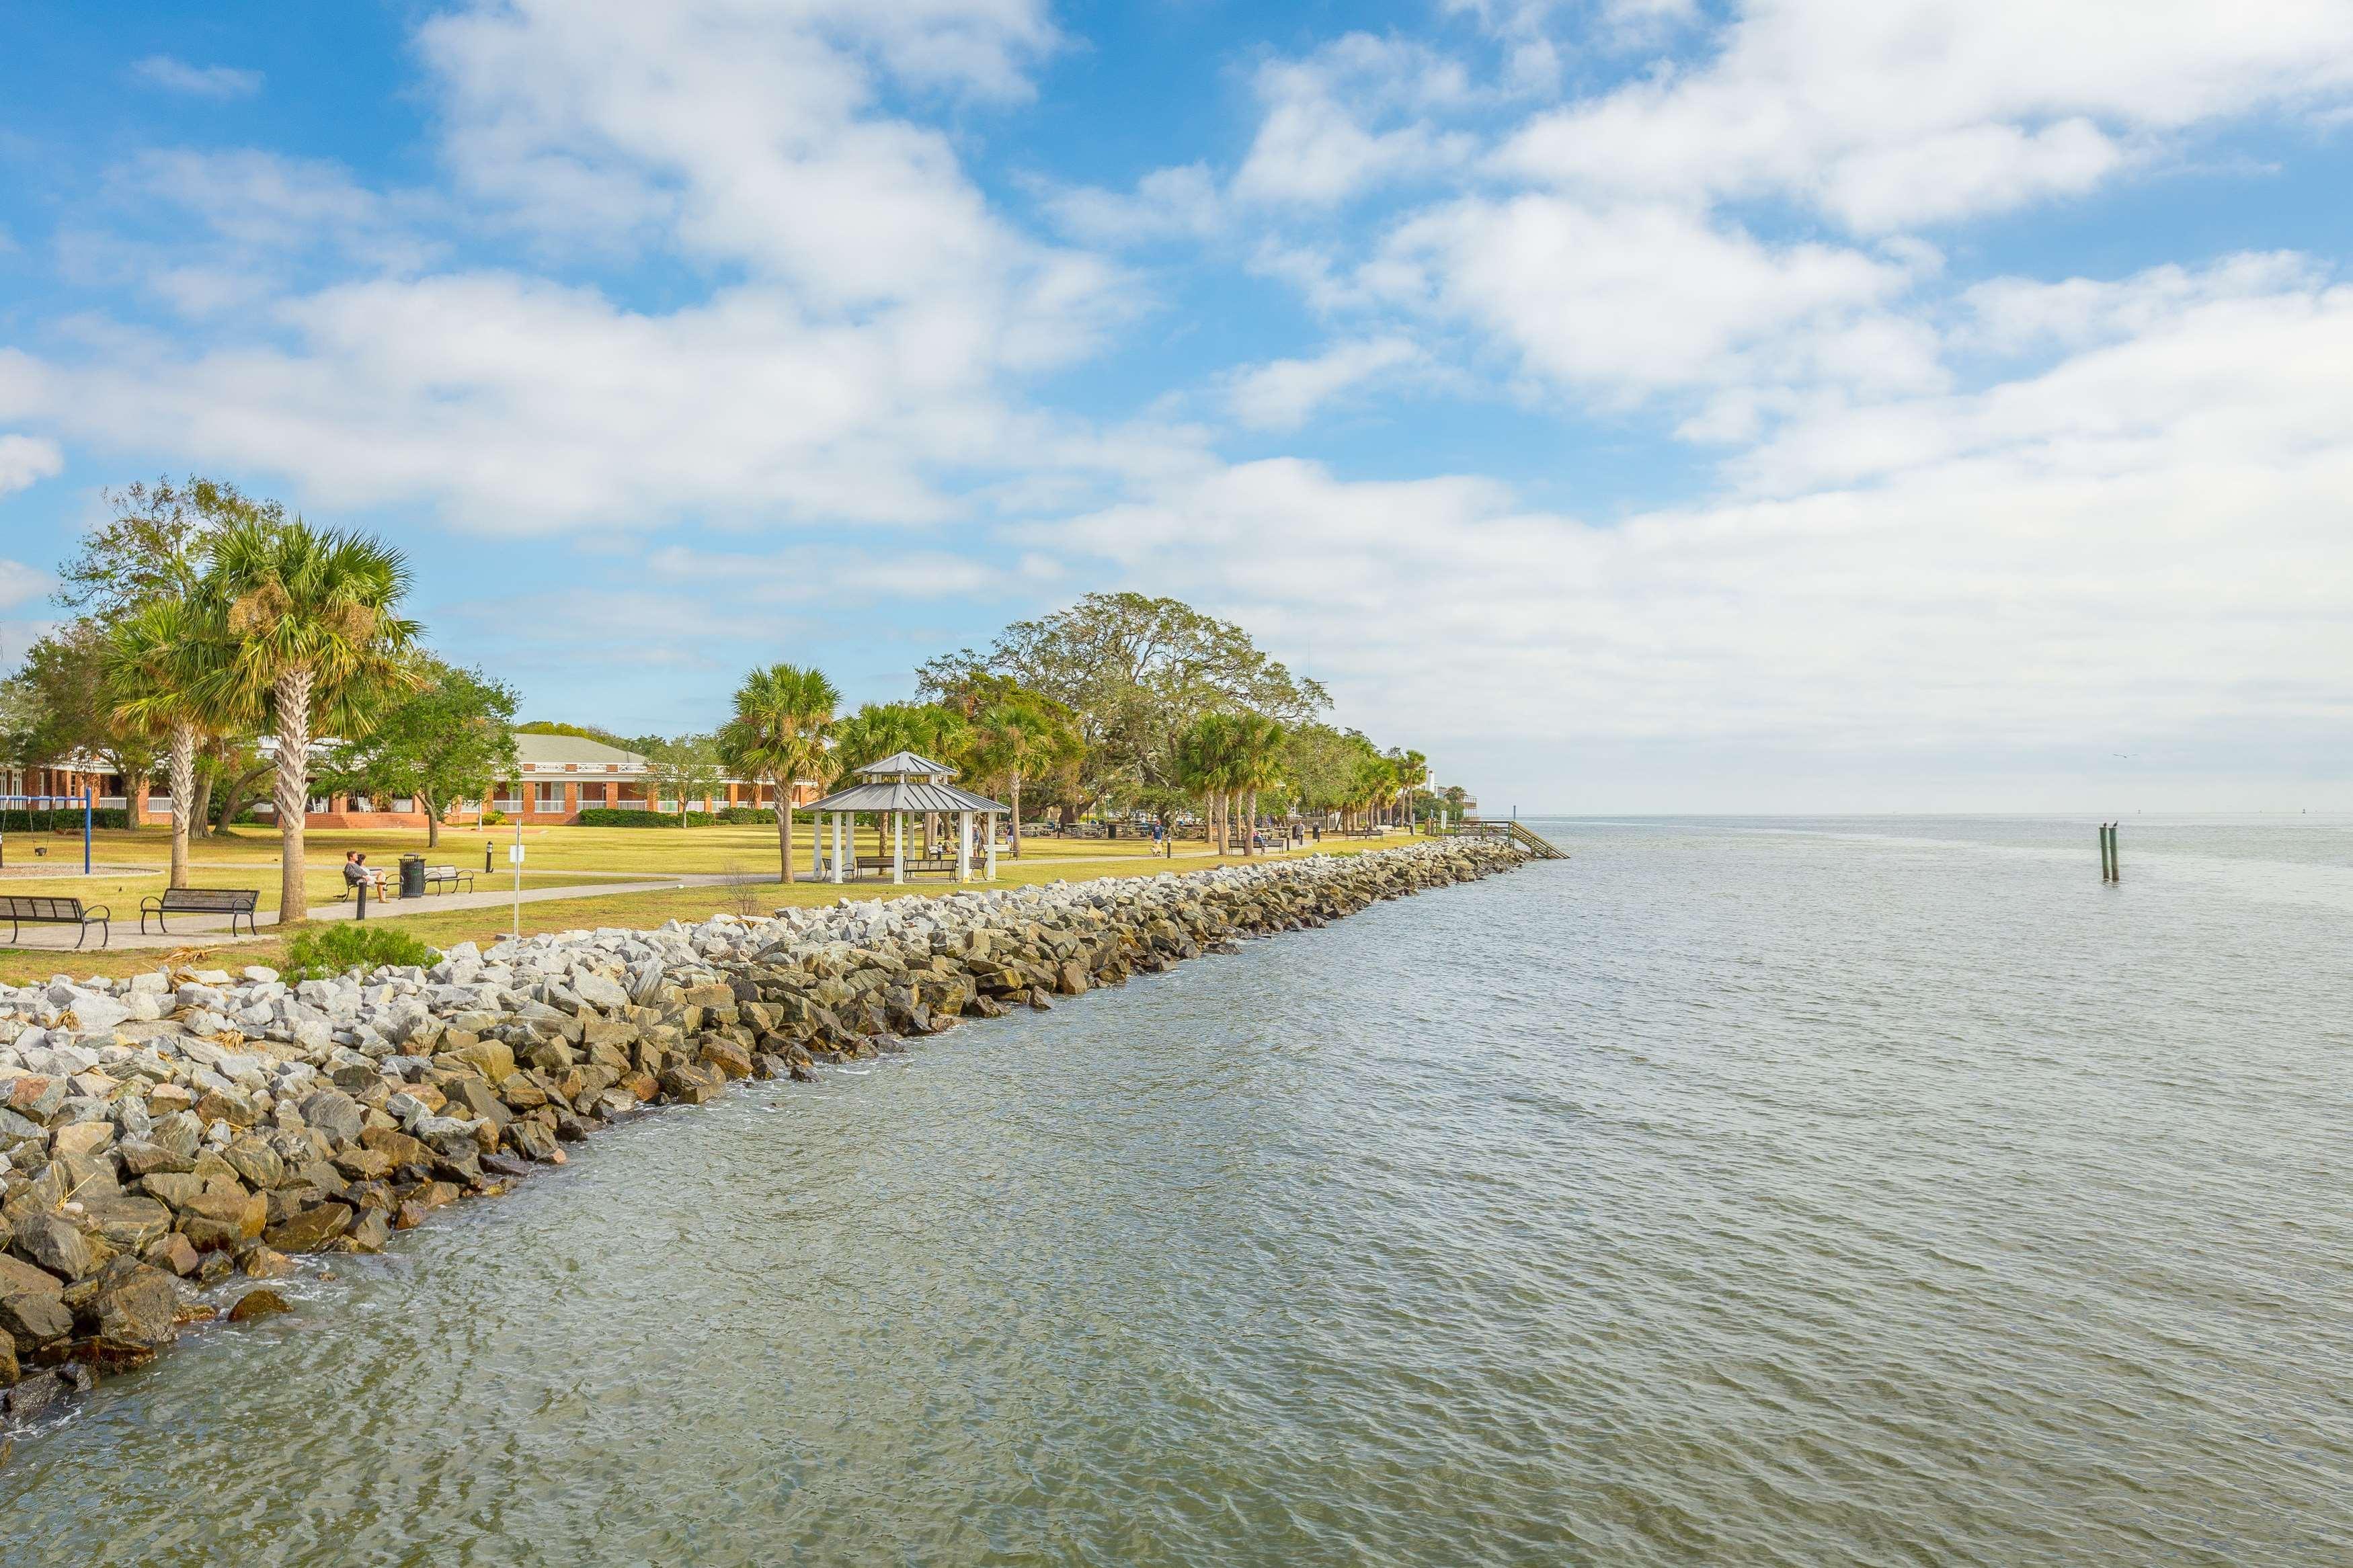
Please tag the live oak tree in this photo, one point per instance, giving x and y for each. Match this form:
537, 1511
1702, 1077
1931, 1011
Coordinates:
1135, 671
683, 768
441, 735
72, 713
157, 544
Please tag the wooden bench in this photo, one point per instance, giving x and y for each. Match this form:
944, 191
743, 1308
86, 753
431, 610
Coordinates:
911, 864
881, 865
24, 911
229, 901
448, 877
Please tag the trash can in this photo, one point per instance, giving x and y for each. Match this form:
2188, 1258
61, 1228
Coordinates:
412, 876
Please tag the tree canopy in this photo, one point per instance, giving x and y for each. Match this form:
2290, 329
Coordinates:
1134, 671
447, 736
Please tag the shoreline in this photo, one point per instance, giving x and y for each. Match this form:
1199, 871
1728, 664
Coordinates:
170, 1140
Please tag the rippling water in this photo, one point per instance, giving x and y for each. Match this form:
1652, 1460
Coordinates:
1771, 1192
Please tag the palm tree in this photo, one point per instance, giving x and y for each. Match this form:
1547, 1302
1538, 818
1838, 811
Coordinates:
1021, 735
1258, 765
312, 615
167, 666
782, 714
1417, 778
1368, 784
1207, 763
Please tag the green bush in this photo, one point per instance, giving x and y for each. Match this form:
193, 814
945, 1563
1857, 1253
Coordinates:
351, 945
632, 816
493, 818
66, 819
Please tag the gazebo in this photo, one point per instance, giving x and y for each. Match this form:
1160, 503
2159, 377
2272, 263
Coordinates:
900, 785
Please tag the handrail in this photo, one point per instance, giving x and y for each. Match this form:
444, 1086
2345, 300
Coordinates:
1513, 831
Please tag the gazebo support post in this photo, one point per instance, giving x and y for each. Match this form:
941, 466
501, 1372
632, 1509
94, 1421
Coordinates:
836, 845
991, 846
898, 846
964, 847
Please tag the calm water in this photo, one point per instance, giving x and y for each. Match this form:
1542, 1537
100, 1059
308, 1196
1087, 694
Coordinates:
1864, 1191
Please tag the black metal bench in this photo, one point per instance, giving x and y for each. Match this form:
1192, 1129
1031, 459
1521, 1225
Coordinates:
23, 911
229, 901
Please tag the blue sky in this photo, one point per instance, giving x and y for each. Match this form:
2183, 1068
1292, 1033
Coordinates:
1635, 404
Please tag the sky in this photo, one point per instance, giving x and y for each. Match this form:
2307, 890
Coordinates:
1637, 406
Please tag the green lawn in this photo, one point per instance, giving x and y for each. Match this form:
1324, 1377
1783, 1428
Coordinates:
555, 857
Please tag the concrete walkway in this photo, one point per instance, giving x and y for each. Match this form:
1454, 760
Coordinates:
213, 929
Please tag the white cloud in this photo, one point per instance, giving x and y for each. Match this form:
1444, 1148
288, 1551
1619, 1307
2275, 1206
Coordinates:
1627, 301
1179, 203
2243, 363
841, 575
2019, 315
2145, 539
878, 312
1321, 141
27, 460
1890, 112
20, 584
196, 81
1281, 393
520, 406
744, 133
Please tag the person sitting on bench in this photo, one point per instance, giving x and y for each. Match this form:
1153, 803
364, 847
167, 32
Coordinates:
357, 871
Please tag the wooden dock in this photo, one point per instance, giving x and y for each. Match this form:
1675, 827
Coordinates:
1534, 843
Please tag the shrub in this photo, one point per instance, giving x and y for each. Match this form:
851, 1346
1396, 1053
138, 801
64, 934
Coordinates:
66, 819
328, 949
492, 817
630, 816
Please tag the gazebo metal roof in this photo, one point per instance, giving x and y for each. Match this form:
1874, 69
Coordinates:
906, 764
904, 794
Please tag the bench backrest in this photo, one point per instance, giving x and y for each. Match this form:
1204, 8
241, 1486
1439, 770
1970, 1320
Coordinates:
17, 907
232, 900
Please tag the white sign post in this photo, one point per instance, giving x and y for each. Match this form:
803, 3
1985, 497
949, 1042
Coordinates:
514, 857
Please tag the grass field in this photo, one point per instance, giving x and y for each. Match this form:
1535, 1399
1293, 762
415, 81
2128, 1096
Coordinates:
555, 856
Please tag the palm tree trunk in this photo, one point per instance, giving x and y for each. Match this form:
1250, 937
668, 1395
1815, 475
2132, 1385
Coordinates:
184, 798
293, 795
1016, 778
785, 826
1250, 823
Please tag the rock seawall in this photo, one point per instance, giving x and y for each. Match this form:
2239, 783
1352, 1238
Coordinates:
170, 1132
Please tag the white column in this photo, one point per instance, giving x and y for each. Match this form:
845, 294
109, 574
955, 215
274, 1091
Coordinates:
898, 846
836, 845
991, 846
816, 844
964, 847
